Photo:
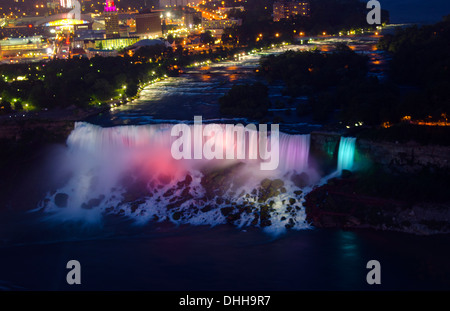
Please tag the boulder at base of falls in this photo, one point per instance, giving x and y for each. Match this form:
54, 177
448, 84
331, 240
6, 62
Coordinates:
301, 180
61, 199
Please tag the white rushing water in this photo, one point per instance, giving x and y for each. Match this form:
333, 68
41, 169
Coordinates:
130, 171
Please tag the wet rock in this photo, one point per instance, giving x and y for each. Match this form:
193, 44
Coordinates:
353, 221
134, 206
61, 199
217, 182
301, 180
269, 188
277, 183
164, 179
292, 201
93, 202
135, 192
255, 220
265, 183
226, 210
169, 193
266, 222
185, 193
207, 208
290, 224
186, 182
231, 218
346, 174
265, 216
298, 192
176, 216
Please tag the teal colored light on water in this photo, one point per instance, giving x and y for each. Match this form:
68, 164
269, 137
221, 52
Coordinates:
346, 154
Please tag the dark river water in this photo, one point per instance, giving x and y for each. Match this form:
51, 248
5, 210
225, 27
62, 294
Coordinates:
117, 254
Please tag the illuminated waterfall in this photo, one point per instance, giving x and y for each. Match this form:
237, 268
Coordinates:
294, 152
346, 153
293, 149
131, 171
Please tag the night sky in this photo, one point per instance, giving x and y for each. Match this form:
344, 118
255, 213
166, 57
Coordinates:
416, 11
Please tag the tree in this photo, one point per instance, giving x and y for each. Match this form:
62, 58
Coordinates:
206, 37
18, 106
170, 39
103, 90
5, 107
250, 101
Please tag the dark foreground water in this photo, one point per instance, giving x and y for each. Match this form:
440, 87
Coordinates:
225, 258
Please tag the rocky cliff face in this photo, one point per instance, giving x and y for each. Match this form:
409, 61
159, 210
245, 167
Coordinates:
407, 158
338, 205
398, 158
35, 129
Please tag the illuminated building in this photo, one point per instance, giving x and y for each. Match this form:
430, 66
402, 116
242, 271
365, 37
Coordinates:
65, 22
172, 3
29, 47
115, 43
66, 3
104, 53
111, 20
191, 17
220, 23
148, 24
104, 44
288, 9
22, 31
224, 10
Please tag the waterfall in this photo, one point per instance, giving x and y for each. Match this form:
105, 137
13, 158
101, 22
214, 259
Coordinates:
346, 153
132, 171
293, 149
294, 152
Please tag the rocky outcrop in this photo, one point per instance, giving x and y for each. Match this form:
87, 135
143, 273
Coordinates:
31, 130
324, 150
405, 157
338, 205
61, 199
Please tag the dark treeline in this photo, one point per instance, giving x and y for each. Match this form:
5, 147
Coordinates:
335, 81
77, 82
308, 72
421, 58
249, 101
82, 82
